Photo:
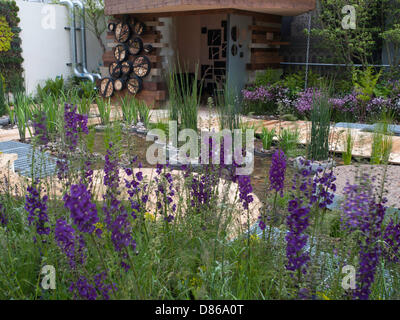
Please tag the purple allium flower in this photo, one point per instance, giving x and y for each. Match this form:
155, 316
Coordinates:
83, 210
40, 128
74, 123
277, 172
37, 209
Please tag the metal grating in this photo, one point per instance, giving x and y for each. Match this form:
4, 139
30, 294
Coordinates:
43, 164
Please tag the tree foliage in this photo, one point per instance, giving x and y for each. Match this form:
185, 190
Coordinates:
95, 19
391, 34
350, 45
6, 35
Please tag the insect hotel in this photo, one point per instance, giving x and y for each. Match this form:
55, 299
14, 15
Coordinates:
224, 41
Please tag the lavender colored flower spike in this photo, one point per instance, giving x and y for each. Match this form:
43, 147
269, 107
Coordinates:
74, 122
245, 190
83, 289
40, 128
65, 236
277, 171
3, 216
83, 210
37, 210
297, 222
101, 287
361, 213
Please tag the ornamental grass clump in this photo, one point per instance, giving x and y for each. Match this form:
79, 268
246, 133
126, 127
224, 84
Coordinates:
267, 137
318, 148
23, 112
348, 149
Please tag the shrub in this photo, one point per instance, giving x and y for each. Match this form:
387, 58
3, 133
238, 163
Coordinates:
184, 97
349, 142
267, 77
51, 87
129, 110
288, 140
3, 106
104, 106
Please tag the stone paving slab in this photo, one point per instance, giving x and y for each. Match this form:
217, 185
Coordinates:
337, 140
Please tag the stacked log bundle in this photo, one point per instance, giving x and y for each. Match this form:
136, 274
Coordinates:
133, 65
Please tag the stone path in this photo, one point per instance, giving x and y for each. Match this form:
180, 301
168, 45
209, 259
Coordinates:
209, 120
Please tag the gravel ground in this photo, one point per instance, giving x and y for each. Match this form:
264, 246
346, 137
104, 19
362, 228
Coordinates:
392, 180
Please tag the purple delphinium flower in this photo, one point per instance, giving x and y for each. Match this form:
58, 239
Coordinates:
112, 206
245, 190
83, 211
165, 191
277, 171
88, 172
74, 123
391, 239
37, 209
136, 190
62, 167
308, 189
116, 217
297, 222
361, 213
68, 241
358, 200
121, 233
40, 128
3, 216
83, 289
101, 287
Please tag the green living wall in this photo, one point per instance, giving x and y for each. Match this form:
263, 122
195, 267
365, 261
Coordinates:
11, 59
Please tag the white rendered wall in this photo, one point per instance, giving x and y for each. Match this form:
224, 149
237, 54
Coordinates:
46, 47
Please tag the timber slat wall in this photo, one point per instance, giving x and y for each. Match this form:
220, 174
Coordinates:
265, 42
154, 88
